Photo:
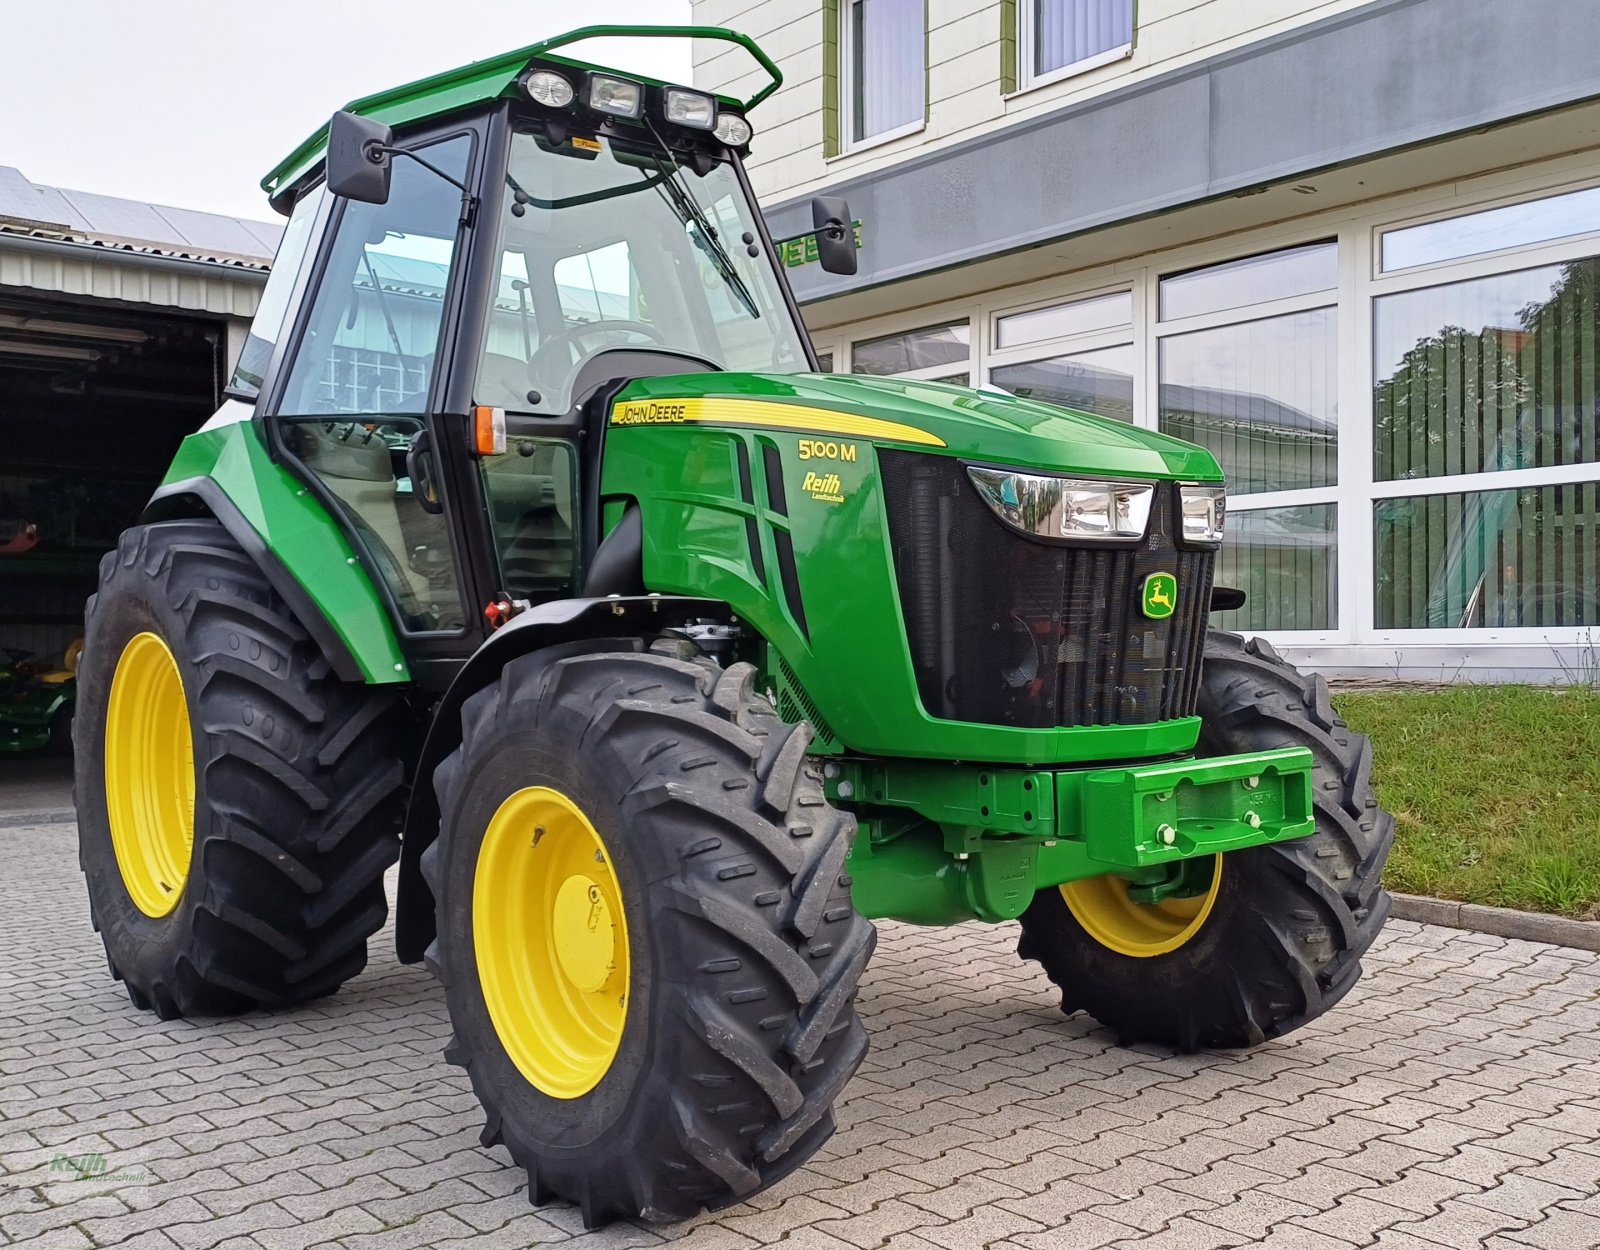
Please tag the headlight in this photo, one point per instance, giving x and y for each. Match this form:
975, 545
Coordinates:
1203, 508
616, 96
1065, 507
690, 108
732, 130
546, 87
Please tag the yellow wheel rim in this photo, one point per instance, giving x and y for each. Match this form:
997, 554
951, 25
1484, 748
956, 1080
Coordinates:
150, 775
1102, 906
551, 942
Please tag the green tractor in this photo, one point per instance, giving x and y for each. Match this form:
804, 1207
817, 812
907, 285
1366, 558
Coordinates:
36, 703
531, 549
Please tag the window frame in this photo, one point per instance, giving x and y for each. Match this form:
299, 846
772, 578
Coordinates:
1027, 32
844, 75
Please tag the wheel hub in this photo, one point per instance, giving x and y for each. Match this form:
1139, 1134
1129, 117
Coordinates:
149, 775
586, 942
551, 941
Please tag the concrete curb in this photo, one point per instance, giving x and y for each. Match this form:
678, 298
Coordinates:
1583, 935
15, 820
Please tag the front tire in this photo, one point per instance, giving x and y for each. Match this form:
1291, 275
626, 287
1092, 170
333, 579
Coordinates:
645, 930
1277, 937
237, 802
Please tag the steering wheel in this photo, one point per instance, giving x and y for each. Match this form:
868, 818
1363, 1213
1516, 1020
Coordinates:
570, 336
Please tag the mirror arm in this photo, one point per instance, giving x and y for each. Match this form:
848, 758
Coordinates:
469, 202
832, 232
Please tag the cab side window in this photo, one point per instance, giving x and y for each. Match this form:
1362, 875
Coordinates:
373, 329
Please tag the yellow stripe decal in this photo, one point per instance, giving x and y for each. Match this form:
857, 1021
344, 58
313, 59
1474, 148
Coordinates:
767, 416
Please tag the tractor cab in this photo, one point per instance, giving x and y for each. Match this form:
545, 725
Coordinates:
460, 286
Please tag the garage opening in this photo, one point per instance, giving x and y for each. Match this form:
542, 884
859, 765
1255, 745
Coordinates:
94, 399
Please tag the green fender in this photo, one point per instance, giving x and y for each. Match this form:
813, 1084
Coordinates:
228, 471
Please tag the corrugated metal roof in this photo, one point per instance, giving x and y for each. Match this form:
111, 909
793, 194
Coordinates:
114, 223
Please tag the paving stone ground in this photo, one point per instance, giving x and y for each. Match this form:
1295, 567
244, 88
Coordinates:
1453, 1100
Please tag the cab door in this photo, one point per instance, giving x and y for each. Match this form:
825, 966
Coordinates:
357, 403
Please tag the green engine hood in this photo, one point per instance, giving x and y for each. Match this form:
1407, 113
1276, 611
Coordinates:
950, 420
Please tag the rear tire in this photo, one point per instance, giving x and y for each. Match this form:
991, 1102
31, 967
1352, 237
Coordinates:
739, 951
1283, 938
295, 781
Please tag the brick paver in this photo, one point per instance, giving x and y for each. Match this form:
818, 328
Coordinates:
1453, 1100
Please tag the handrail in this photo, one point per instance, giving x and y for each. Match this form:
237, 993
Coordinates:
489, 79
671, 32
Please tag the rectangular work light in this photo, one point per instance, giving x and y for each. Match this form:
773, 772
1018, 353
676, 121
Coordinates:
690, 108
616, 96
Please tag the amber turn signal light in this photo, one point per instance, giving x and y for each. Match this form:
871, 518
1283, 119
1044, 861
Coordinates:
489, 431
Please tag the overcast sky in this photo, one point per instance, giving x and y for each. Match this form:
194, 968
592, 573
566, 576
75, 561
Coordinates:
191, 102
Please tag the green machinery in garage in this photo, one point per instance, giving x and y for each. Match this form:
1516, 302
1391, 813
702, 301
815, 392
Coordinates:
531, 549
36, 703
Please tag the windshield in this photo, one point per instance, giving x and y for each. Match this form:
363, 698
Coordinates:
606, 244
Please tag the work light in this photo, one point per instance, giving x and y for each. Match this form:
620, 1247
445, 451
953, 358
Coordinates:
1203, 508
690, 108
732, 130
616, 96
1065, 507
546, 87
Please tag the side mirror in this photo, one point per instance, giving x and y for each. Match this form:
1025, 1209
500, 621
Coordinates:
836, 234
359, 163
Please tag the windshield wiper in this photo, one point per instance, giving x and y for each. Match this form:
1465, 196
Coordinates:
687, 210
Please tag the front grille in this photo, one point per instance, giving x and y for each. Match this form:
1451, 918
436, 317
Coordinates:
1010, 630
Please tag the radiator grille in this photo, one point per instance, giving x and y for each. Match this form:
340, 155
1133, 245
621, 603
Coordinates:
1008, 630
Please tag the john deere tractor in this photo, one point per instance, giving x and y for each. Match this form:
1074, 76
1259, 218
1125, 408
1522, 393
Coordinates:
532, 549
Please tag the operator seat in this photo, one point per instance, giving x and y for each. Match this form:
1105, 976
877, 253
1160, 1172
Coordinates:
412, 545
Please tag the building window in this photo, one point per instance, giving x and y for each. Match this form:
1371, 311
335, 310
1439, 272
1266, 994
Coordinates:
935, 353
1260, 391
883, 69
1262, 396
1057, 38
1283, 560
1248, 367
1100, 381
1061, 321
1492, 230
1078, 354
1489, 559
1490, 375
1486, 433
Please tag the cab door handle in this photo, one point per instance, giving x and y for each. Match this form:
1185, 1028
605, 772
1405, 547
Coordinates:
420, 468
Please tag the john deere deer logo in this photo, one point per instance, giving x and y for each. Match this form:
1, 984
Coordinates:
1160, 596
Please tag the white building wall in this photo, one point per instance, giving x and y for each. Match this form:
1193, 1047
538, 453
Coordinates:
964, 73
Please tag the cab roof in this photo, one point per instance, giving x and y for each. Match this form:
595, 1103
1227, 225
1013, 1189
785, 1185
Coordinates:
493, 79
